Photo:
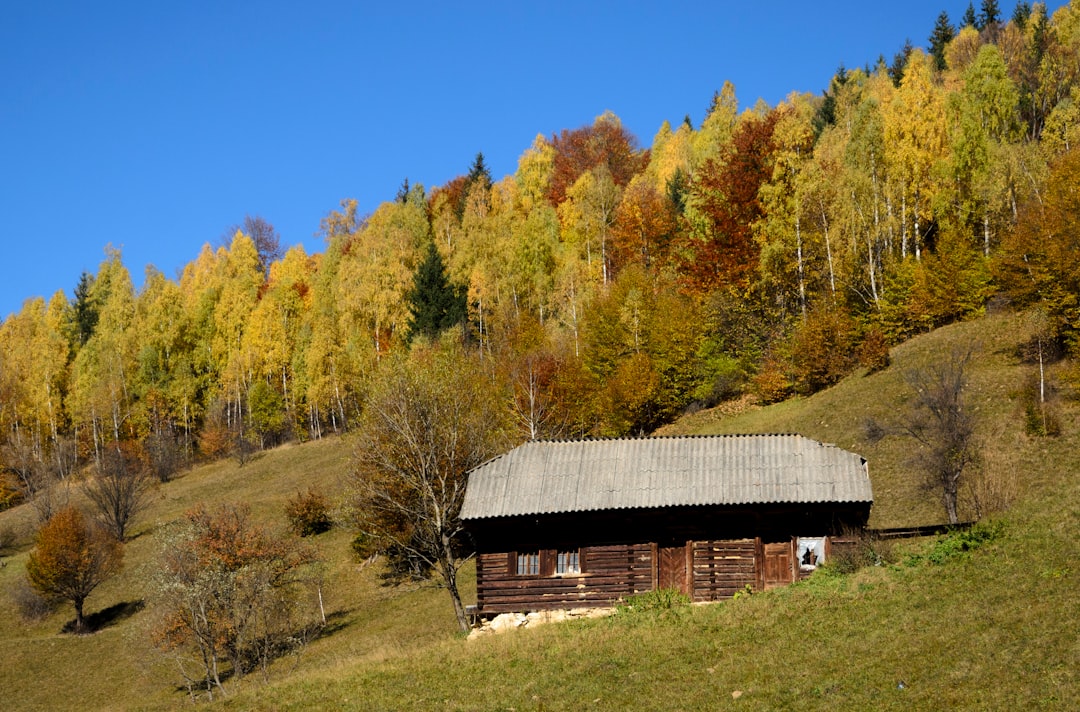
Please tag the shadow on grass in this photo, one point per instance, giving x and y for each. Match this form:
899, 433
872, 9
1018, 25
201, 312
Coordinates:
335, 622
107, 617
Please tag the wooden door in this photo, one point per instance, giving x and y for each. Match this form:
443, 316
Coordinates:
779, 565
671, 568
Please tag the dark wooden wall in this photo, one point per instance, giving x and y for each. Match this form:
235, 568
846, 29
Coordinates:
608, 574
713, 571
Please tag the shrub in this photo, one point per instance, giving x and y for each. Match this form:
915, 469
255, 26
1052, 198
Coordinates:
821, 349
858, 548
959, 543
1039, 402
874, 351
308, 513
771, 384
32, 606
660, 600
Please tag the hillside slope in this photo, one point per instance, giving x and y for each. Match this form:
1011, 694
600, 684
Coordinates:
996, 628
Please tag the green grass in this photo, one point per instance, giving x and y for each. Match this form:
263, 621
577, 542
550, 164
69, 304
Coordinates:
968, 622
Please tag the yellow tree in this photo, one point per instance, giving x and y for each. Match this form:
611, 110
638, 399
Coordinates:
240, 279
587, 215
102, 371
272, 336
780, 230
376, 270
915, 140
985, 118
717, 128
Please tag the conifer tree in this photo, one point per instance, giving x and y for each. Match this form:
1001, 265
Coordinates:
478, 172
939, 39
434, 303
86, 308
989, 15
1021, 14
899, 63
969, 19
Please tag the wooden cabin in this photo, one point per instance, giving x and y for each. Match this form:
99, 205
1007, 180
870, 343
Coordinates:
571, 524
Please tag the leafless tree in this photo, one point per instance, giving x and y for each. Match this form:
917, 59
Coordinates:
943, 427
120, 489
263, 234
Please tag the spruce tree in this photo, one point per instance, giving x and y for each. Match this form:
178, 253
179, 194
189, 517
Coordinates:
85, 314
899, 63
989, 15
969, 19
1021, 15
435, 304
943, 34
478, 172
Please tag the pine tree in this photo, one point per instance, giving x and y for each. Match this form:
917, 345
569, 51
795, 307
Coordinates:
899, 62
478, 172
943, 34
826, 113
989, 15
434, 303
86, 308
969, 19
1021, 14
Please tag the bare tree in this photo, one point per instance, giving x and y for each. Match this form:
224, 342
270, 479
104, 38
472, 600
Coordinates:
432, 418
943, 427
120, 490
263, 234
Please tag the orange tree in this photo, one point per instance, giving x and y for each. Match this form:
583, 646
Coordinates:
71, 559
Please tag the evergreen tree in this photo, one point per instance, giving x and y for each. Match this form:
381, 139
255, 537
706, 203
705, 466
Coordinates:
826, 113
434, 303
896, 69
989, 15
969, 19
86, 308
478, 172
943, 34
403, 192
1021, 14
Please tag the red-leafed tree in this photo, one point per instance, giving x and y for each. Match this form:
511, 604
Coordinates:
719, 249
605, 142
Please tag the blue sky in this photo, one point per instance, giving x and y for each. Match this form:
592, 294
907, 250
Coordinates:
153, 126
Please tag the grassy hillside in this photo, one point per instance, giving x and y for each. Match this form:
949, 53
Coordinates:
996, 628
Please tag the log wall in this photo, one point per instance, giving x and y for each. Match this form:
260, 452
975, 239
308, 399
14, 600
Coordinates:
608, 573
723, 568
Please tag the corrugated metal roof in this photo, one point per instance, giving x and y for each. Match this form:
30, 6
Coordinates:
545, 477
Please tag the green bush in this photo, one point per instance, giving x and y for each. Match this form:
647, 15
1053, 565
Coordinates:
660, 600
309, 513
959, 543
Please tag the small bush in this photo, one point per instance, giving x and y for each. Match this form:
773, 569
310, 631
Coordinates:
771, 384
959, 543
1041, 417
32, 606
874, 351
660, 600
309, 514
857, 549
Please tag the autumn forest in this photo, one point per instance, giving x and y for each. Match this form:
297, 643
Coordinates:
606, 287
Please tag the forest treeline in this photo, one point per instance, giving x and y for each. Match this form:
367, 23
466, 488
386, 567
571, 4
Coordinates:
605, 286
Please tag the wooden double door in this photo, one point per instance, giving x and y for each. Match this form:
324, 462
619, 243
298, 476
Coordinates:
674, 566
